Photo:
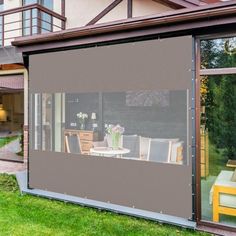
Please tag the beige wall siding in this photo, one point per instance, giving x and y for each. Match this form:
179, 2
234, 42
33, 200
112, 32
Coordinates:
148, 7
10, 4
118, 13
80, 12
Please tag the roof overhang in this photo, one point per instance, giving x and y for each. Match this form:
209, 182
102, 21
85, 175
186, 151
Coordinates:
11, 83
193, 20
10, 56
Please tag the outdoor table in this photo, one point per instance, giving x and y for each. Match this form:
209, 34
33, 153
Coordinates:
231, 163
108, 151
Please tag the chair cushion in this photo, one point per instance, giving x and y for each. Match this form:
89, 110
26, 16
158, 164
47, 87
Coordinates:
233, 178
131, 142
224, 179
144, 147
176, 155
159, 151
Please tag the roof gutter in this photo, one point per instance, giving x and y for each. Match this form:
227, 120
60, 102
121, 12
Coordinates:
222, 10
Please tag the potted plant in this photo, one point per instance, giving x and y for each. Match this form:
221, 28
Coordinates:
115, 132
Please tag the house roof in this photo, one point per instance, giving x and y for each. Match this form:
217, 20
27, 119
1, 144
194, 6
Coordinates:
11, 82
190, 18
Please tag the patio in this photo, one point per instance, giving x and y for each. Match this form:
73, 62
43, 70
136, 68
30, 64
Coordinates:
12, 167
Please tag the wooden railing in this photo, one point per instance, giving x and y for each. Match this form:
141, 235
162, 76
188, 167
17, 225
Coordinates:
28, 20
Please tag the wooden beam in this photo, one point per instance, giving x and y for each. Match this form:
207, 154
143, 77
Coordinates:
63, 13
104, 12
168, 4
176, 4
129, 8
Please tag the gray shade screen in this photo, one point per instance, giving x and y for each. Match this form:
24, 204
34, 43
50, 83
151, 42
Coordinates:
155, 64
126, 78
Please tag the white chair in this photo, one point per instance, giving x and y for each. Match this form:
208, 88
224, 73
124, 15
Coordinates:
159, 151
72, 143
131, 142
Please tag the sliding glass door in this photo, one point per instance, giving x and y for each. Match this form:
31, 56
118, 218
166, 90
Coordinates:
218, 131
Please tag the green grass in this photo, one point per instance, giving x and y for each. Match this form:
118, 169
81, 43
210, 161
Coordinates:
6, 140
34, 216
217, 160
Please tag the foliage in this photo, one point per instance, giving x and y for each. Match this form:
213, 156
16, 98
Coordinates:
8, 183
219, 97
28, 215
6, 140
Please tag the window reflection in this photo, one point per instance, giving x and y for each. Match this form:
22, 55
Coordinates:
135, 125
218, 53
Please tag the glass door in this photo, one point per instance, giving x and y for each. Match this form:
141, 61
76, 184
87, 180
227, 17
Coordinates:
218, 131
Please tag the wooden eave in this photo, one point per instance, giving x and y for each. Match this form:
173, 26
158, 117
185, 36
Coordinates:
203, 16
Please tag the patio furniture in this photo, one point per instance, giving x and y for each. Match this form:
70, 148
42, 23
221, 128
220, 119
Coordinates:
72, 143
223, 195
159, 151
176, 154
131, 142
231, 163
144, 147
86, 138
109, 152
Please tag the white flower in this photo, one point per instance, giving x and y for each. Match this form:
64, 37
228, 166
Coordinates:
82, 116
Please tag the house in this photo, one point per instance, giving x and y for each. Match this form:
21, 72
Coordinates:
128, 105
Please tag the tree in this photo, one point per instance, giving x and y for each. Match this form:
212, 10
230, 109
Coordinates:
219, 97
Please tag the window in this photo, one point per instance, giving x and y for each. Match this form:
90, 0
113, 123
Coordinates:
218, 131
136, 125
41, 22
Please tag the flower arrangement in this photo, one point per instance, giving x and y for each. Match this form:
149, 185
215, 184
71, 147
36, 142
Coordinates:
82, 117
115, 132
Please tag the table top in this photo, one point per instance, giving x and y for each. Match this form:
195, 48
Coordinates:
231, 163
109, 151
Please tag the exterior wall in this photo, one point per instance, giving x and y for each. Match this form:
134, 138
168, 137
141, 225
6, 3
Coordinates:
79, 13
8, 4
143, 7
118, 13
26, 142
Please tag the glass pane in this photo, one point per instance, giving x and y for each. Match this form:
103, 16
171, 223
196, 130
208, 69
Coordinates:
137, 125
26, 19
26, 22
46, 19
47, 101
37, 122
218, 53
58, 122
218, 148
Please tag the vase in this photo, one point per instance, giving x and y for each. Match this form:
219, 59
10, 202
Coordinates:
116, 140
82, 126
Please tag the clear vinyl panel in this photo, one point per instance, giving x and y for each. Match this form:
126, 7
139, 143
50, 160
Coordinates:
218, 149
139, 125
218, 132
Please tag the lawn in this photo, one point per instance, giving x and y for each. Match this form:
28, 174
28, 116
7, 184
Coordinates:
4, 141
27, 215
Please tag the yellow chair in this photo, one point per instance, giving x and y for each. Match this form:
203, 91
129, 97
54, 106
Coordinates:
224, 195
